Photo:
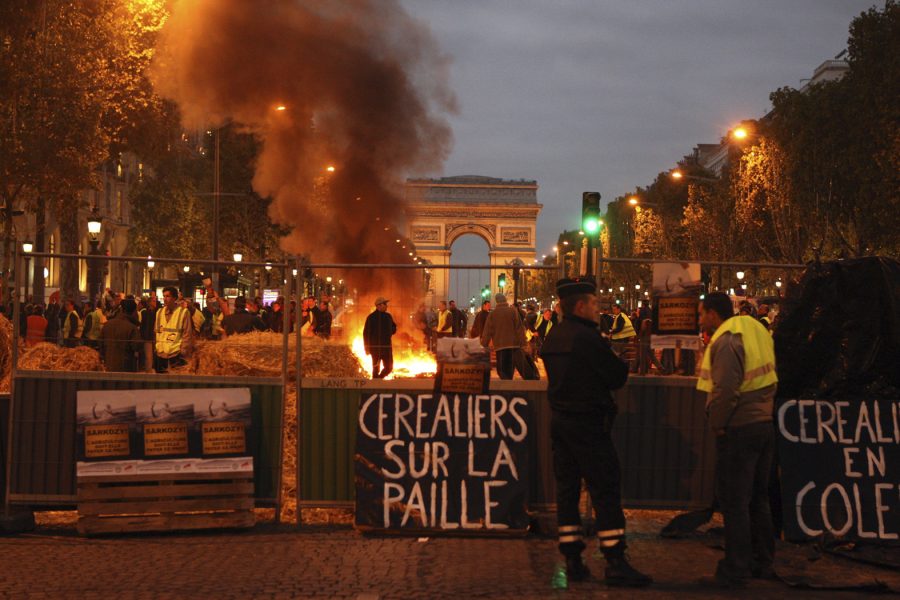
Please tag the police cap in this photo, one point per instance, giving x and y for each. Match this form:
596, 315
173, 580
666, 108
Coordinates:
574, 286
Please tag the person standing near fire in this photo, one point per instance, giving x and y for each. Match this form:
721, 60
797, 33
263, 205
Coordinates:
445, 320
738, 374
377, 333
503, 328
480, 319
582, 371
174, 331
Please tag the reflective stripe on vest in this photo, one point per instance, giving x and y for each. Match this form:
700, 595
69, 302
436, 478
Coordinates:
67, 327
96, 325
627, 329
169, 336
759, 355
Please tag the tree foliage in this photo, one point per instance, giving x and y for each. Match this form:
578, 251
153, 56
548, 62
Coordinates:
818, 177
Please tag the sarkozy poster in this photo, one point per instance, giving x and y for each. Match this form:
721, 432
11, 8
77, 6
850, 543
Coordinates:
442, 463
131, 432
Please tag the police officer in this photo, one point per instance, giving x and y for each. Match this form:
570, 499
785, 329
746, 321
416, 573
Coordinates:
581, 370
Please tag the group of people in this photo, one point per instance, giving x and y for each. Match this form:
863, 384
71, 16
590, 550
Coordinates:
738, 375
138, 334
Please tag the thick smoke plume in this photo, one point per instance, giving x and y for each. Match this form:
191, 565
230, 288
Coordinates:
362, 86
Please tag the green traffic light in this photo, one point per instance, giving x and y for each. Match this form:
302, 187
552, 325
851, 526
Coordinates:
591, 225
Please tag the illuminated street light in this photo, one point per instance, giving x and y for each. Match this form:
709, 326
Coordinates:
634, 200
237, 256
150, 263
186, 269
330, 168
621, 288
740, 275
739, 134
268, 266
281, 108
556, 248
637, 286
676, 174
778, 284
27, 247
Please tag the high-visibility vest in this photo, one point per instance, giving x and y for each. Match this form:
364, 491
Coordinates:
170, 331
759, 355
539, 322
445, 321
217, 328
627, 329
96, 325
197, 319
67, 327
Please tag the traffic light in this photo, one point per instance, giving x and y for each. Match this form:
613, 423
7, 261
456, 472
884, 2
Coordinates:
501, 281
590, 212
486, 293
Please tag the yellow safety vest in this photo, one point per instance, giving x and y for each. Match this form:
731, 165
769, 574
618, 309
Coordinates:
170, 332
67, 329
759, 355
445, 324
217, 328
97, 319
627, 329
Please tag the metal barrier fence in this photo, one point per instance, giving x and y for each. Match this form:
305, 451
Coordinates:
306, 378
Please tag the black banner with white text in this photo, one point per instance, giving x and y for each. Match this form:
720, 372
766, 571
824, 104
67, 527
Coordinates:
840, 468
442, 463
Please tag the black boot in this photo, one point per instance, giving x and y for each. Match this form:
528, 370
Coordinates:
576, 570
620, 573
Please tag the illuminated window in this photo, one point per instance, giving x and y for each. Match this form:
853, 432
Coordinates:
119, 204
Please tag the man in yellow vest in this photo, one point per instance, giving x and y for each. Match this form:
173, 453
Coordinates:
174, 331
738, 373
622, 332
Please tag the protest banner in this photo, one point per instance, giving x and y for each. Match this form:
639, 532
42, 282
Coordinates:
463, 366
451, 463
840, 468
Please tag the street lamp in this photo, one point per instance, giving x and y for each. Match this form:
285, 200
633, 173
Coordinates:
150, 265
95, 277
740, 275
27, 247
237, 256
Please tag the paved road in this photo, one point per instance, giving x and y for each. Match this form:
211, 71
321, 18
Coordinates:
337, 562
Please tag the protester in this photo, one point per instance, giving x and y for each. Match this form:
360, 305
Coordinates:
241, 320
93, 324
147, 319
738, 374
121, 339
480, 319
504, 330
72, 326
53, 314
420, 322
35, 326
323, 321
377, 333
459, 320
445, 321
582, 370
174, 333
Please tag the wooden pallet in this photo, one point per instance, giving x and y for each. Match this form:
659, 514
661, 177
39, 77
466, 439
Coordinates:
171, 502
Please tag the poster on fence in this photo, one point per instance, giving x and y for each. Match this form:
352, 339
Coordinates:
463, 366
130, 432
676, 294
840, 468
442, 463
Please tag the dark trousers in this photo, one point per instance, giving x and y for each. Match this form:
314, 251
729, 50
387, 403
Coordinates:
583, 449
743, 466
162, 365
385, 357
506, 363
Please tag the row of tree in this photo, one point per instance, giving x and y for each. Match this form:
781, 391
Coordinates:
74, 95
817, 177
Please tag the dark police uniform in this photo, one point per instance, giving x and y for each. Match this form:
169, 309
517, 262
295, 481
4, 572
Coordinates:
581, 371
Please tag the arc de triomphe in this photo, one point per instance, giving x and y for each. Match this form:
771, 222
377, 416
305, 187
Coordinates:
502, 212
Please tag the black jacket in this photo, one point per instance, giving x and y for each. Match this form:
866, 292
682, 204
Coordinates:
242, 321
378, 330
121, 337
581, 368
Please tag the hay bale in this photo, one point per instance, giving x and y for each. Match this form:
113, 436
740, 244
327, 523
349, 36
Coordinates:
258, 354
50, 357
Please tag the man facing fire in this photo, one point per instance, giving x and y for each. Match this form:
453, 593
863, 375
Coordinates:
377, 333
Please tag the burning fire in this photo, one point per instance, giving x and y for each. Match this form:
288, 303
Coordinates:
408, 362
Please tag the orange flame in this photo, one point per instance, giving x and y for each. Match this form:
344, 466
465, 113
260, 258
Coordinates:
408, 362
